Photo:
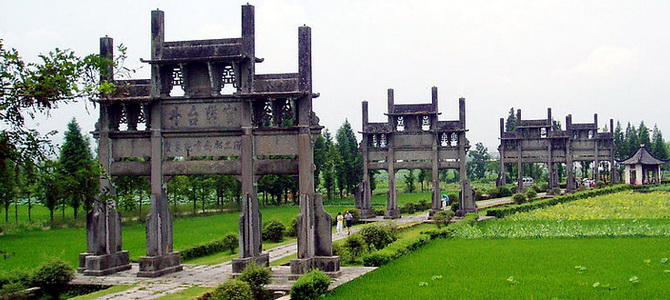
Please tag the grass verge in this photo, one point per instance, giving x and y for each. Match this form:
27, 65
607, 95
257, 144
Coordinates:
619, 268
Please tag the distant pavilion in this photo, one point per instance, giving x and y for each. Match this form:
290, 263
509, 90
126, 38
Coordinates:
643, 167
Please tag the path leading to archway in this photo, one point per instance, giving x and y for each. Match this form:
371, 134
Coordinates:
213, 275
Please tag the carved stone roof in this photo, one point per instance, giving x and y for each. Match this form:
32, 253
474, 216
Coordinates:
378, 128
413, 109
533, 123
583, 126
643, 156
201, 50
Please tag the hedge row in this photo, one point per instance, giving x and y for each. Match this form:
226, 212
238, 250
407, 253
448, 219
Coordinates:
229, 242
500, 212
395, 250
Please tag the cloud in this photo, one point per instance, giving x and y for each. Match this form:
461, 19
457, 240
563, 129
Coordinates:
605, 61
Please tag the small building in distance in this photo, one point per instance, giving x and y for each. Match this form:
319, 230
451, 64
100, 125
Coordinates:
643, 167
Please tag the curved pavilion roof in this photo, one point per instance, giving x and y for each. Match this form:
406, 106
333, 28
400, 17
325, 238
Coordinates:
643, 156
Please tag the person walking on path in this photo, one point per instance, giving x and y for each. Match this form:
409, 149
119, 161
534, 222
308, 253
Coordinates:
340, 219
350, 219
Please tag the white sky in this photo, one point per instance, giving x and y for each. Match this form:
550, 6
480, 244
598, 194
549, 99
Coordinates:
578, 57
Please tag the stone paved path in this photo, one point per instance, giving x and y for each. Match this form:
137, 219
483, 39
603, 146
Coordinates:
213, 275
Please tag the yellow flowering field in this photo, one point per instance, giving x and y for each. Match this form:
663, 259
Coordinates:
623, 205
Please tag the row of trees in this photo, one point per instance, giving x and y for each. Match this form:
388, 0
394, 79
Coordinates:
627, 142
72, 180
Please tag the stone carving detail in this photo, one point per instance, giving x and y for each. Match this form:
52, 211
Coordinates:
177, 77
400, 125
425, 123
228, 76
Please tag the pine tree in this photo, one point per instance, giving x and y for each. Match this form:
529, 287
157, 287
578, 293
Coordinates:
510, 123
329, 166
76, 165
349, 169
657, 146
632, 141
320, 157
619, 142
643, 135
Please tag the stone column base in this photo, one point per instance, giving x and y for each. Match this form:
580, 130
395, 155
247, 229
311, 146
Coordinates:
328, 264
367, 213
239, 264
392, 214
100, 265
155, 266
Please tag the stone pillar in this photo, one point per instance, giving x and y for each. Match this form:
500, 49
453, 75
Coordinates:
467, 199
502, 177
160, 258
613, 173
437, 192
247, 66
392, 211
568, 156
365, 204
315, 244
250, 220
596, 162
104, 254
435, 167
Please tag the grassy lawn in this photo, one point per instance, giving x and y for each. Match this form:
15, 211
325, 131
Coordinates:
30, 248
189, 293
107, 291
623, 205
522, 269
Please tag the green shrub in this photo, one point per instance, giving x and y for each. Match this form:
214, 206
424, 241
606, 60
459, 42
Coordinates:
448, 232
408, 208
230, 242
395, 250
478, 195
257, 277
423, 205
600, 184
232, 290
519, 198
355, 245
312, 285
443, 217
356, 214
377, 236
556, 191
292, 229
531, 194
273, 230
454, 206
53, 276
